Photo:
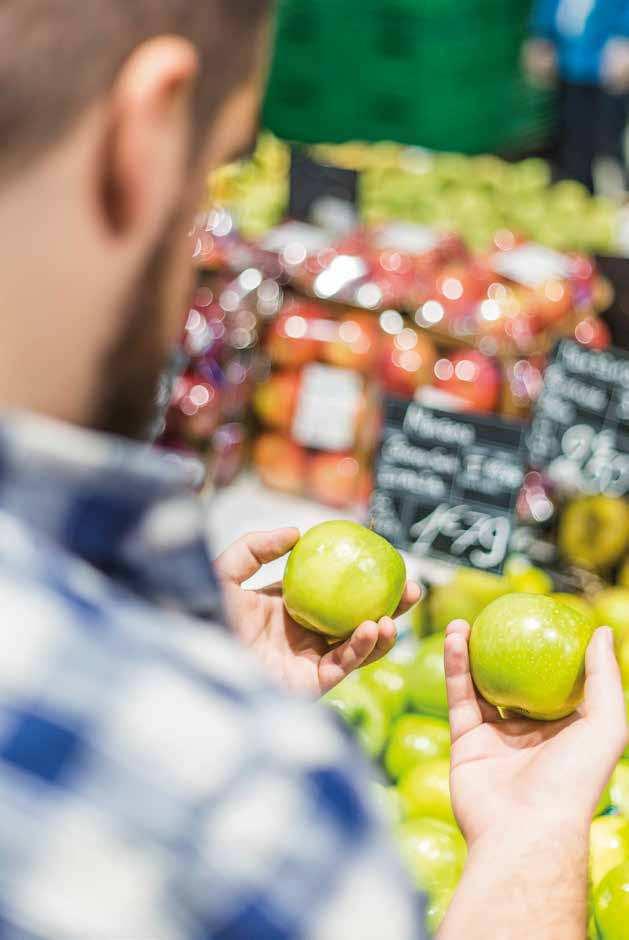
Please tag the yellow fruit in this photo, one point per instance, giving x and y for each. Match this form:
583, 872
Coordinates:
593, 532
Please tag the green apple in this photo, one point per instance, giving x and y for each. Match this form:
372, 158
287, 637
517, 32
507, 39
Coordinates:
425, 790
611, 609
481, 585
593, 532
362, 712
463, 597
340, 574
611, 904
527, 654
577, 603
524, 578
434, 852
623, 574
604, 803
593, 933
387, 681
387, 801
427, 678
445, 604
437, 907
415, 738
619, 788
420, 619
609, 846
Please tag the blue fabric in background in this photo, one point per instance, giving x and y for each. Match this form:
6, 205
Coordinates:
580, 29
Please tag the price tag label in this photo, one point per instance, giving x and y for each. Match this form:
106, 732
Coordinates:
312, 182
447, 484
531, 265
406, 237
327, 409
580, 430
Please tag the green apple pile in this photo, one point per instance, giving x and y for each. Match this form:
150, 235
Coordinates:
474, 196
399, 712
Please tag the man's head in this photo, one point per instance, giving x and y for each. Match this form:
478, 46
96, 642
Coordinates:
111, 114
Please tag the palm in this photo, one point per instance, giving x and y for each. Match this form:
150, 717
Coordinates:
502, 766
301, 660
289, 653
502, 769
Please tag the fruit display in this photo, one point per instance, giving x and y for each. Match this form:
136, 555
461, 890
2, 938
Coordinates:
340, 574
474, 196
527, 653
210, 400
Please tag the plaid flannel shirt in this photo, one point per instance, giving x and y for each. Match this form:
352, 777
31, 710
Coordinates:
153, 786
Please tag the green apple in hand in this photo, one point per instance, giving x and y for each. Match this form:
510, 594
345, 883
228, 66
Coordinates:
415, 738
577, 603
438, 903
427, 678
611, 904
362, 712
434, 852
425, 790
527, 654
609, 846
340, 574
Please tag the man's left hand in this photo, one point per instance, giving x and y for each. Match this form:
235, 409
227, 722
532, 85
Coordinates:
301, 660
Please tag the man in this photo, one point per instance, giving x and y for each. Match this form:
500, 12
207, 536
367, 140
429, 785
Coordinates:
154, 783
584, 43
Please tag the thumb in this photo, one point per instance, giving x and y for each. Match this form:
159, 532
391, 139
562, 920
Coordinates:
604, 704
245, 557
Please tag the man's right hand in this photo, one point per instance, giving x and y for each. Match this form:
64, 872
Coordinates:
539, 58
514, 769
524, 793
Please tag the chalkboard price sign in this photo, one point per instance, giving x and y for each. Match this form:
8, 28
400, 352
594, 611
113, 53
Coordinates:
446, 484
580, 431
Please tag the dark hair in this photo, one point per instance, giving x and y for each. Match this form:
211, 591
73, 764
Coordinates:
58, 56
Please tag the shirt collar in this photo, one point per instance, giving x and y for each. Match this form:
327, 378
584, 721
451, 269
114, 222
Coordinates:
127, 509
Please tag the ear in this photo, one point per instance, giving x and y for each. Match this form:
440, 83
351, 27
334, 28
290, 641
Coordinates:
149, 122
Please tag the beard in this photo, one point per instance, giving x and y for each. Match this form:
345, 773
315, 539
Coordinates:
131, 399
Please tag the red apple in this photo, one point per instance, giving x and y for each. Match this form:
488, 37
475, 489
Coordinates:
280, 463
471, 377
334, 479
407, 362
195, 408
552, 302
593, 333
289, 340
357, 338
275, 400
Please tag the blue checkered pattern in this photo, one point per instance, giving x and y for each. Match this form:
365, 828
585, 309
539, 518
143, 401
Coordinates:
152, 785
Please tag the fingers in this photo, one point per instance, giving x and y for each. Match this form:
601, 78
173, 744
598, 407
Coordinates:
464, 705
604, 704
387, 637
245, 557
411, 596
369, 642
